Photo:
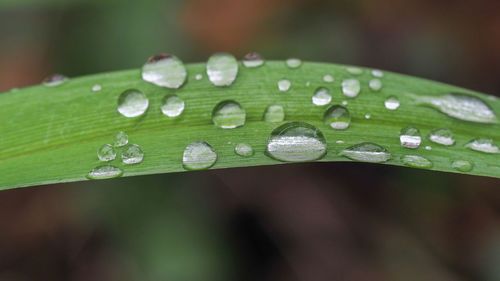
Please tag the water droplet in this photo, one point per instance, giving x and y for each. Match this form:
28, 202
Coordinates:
293, 62
296, 142
274, 113
460, 106
442, 136
104, 172
368, 116
253, 60
337, 117
483, 145
198, 76
106, 153
54, 80
428, 147
164, 70
284, 85
375, 84
132, 154
462, 165
366, 152
344, 102
391, 103
328, 78
351, 87
222, 69
120, 139
132, 103
416, 161
96, 88
340, 142
321, 96
228, 115
354, 70
410, 137
308, 84
172, 105
199, 156
377, 73
243, 149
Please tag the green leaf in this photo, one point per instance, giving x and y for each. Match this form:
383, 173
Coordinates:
51, 134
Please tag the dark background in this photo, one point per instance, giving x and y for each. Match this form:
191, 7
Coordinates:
320, 221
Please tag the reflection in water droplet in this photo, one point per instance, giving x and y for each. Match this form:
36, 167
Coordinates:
416, 161
104, 172
337, 117
106, 153
410, 137
321, 96
293, 62
442, 136
375, 84
391, 103
366, 152
354, 70
243, 149
377, 73
351, 88
54, 80
483, 145
462, 165
296, 142
96, 88
328, 78
199, 156
132, 103
253, 60
132, 154
222, 69
284, 85
120, 139
164, 70
274, 113
228, 115
198, 76
172, 106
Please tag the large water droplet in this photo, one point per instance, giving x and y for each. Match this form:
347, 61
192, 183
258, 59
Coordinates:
321, 96
483, 145
132, 103
328, 78
132, 154
120, 139
460, 106
274, 113
104, 172
391, 103
296, 142
462, 165
366, 152
337, 117
172, 105
351, 87
243, 149
410, 137
199, 156
164, 70
284, 85
106, 153
355, 70
416, 161
293, 62
222, 69
442, 136
228, 115
375, 84
253, 60
54, 80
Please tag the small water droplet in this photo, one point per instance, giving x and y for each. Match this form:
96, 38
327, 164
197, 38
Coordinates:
462, 165
483, 145
274, 113
355, 70
164, 70
96, 88
222, 69
340, 142
284, 85
106, 153
132, 103
410, 137
199, 156
366, 152
104, 172
198, 76
54, 80
321, 96
228, 115
351, 87
308, 84
296, 142
328, 78
337, 117
293, 62
428, 147
243, 149
120, 139
442, 136
377, 73
368, 116
392, 103
344, 102
172, 106
375, 84
253, 60
132, 154
416, 161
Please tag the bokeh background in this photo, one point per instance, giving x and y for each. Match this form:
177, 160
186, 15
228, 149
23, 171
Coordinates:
299, 222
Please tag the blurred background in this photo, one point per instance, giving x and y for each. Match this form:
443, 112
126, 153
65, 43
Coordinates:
300, 222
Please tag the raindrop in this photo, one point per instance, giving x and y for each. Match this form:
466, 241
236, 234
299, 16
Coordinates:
375, 84
54, 80
308, 84
96, 88
222, 69
351, 87
293, 62
106, 153
337, 117
132, 103
172, 106
321, 96
120, 139
296, 142
284, 85
228, 115
366, 152
377, 73
199, 156
198, 76
344, 102
410, 137
104, 172
340, 142
462, 165
243, 149
368, 116
428, 147
483, 145
442, 136
132, 154
391, 103
164, 70
274, 113
328, 78
354, 70
416, 161
253, 60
